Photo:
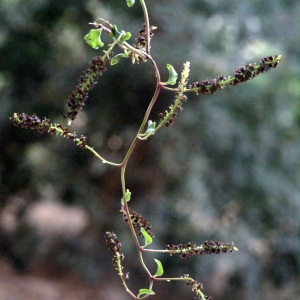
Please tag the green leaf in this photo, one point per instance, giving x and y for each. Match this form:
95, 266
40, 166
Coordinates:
151, 127
160, 269
172, 75
127, 197
147, 237
125, 37
144, 292
130, 2
115, 34
117, 58
93, 38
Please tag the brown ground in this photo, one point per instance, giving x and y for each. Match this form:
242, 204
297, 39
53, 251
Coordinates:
29, 286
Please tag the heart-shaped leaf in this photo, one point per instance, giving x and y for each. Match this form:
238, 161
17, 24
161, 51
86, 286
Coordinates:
93, 38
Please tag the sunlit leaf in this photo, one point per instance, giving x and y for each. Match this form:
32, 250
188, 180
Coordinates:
125, 37
93, 38
147, 237
144, 292
160, 269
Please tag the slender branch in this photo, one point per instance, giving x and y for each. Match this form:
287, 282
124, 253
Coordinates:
147, 26
128, 154
101, 158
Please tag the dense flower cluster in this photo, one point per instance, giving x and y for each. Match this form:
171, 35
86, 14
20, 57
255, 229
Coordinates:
180, 97
241, 75
138, 221
35, 123
208, 247
86, 82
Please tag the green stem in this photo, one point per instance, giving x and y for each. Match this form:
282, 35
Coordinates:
112, 46
101, 158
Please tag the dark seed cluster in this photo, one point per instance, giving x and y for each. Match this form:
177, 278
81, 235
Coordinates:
209, 85
35, 123
138, 221
86, 82
115, 246
208, 247
140, 41
241, 75
250, 71
112, 241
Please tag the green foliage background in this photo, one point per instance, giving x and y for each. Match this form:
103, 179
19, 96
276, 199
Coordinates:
228, 169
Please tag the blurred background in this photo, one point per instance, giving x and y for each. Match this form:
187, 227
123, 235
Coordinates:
227, 170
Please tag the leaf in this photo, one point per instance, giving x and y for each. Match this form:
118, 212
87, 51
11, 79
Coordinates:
93, 38
172, 75
130, 2
125, 37
117, 58
151, 127
145, 292
160, 269
115, 34
147, 237
127, 197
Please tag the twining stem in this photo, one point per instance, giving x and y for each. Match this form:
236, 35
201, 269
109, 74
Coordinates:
154, 98
147, 26
133, 144
126, 159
